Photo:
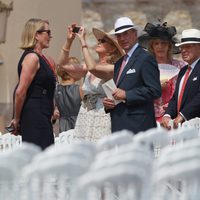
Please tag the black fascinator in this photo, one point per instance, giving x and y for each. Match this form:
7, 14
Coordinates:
159, 30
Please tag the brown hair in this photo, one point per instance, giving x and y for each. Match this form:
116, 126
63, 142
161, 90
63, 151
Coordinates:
31, 27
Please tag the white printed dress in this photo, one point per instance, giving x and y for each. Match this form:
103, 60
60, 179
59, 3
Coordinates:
92, 122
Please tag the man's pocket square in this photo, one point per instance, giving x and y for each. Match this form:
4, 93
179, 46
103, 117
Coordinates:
195, 78
130, 71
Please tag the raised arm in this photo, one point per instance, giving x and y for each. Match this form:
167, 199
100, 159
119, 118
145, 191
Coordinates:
101, 70
77, 71
64, 54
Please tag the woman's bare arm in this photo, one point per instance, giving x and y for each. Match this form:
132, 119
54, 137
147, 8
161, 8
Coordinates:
30, 66
100, 70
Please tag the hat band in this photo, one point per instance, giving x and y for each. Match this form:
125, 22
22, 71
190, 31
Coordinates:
123, 27
190, 39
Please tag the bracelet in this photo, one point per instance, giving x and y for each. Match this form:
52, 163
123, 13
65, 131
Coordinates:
65, 50
84, 46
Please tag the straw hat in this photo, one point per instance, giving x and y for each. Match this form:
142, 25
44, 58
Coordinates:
99, 34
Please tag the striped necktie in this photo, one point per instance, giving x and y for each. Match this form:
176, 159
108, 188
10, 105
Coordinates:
122, 67
187, 73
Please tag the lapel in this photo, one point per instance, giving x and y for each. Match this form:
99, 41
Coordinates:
130, 63
180, 76
117, 68
193, 74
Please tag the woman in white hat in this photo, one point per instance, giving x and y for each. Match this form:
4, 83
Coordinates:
160, 41
92, 121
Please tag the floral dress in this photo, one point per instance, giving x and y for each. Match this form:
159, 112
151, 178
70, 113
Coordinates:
92, 122
161, 104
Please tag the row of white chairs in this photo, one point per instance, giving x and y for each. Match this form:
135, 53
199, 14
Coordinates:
9, 142
176, 173
119, 166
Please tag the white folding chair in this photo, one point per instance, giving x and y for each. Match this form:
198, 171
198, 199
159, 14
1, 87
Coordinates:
183, 134
157, 138
114, 140
118, 177
192, 123
181, 163
11, 168
66, 137
9, 142
83, 149
53, 178
106, 178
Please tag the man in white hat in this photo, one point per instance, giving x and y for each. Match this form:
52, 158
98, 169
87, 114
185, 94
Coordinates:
185, 103
137, 79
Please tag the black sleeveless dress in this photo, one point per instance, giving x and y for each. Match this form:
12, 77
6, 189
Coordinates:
35, 120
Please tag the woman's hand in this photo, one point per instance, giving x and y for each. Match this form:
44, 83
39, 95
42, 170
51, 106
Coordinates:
81, 34
15, 124
108, 103
70, 34
56, 114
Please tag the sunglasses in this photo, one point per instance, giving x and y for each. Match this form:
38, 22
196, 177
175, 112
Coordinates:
102, 41
46, 31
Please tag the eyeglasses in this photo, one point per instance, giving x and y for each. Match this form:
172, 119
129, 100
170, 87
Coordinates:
46, 31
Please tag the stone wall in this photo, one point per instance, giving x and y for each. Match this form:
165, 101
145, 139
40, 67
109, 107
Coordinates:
182, 14
102, 13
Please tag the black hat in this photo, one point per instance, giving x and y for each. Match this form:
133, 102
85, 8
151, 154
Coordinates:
159, 31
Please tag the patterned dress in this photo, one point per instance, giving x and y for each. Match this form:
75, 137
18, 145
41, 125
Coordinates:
161, 104
92, 121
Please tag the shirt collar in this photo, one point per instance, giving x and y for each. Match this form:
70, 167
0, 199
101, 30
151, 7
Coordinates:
194, 63
132, 50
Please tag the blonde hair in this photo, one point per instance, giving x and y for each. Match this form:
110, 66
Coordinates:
62, 73
31, 27
114, 55
169, 53
73, 61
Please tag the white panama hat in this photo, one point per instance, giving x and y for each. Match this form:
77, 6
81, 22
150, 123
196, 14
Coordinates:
123, 24
189, 36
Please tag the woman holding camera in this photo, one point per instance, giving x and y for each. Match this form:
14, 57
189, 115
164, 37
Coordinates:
92, 121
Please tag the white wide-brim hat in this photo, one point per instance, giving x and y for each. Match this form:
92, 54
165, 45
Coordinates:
123, 24
189, 36
99, 34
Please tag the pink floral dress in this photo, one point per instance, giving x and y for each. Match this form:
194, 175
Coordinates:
167, 92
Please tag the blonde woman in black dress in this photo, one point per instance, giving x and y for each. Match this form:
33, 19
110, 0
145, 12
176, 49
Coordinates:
33, 105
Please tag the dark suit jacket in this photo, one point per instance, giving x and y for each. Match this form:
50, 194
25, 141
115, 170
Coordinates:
142, 86
190, 105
